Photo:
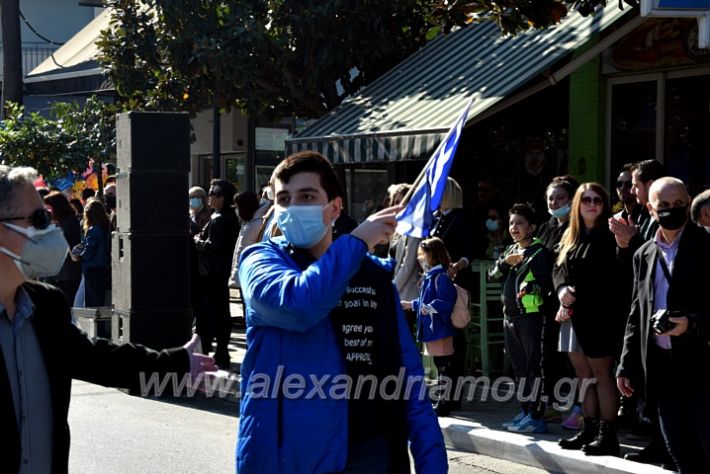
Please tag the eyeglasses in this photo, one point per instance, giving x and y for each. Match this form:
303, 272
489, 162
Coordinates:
623, 184
40, 219
588, 200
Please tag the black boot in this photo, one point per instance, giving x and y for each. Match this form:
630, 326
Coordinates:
606, 443
586, 435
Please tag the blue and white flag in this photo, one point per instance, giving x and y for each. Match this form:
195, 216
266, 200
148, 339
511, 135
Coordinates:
417, 218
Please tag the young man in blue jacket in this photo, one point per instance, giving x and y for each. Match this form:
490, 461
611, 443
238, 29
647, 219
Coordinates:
332, 380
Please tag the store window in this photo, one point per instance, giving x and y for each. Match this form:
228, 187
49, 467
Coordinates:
687, 137
233, 166
367, 190
633, 123
666, 118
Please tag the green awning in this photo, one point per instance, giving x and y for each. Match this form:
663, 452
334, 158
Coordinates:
405, 113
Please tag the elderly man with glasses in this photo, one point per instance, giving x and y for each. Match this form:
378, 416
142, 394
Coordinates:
40, 350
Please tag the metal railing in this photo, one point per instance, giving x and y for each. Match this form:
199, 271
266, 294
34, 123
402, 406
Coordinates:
32, 55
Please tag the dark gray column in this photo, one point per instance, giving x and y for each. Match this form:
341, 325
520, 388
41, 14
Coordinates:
150, 248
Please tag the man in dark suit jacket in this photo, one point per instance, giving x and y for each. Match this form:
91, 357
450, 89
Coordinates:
40, 350
670, 274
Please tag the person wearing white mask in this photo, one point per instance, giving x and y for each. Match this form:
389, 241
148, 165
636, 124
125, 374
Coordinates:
40, 350
558, 195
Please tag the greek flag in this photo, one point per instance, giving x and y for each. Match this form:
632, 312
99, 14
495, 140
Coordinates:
417, 218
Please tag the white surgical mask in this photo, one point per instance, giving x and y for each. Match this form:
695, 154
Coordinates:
44, 251
302, 226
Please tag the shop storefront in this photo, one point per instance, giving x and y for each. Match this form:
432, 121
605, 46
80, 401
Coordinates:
658, 100
583, 98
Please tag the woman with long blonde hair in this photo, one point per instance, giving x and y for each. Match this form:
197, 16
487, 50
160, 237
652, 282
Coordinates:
586, 279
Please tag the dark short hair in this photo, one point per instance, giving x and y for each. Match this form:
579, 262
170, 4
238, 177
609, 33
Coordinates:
628, 168
309, 162
524, 210
699, 202
566, 182
226, 189
435, 247
650, 170
247, 202
87, 193
61, 207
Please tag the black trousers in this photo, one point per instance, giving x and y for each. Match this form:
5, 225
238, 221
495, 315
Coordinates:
444, 367
523, 342
215, 323
69, 288
683, 400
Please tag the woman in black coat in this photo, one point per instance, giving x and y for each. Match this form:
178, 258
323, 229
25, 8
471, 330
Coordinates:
586, 279
64, 215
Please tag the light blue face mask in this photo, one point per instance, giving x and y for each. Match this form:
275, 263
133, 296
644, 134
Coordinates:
195, 203
302, 226
492, 225
560, 212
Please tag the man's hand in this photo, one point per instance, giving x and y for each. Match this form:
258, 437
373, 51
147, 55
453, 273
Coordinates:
623, 232
566, 295
624, 386
681, 326
199, 363
378, 227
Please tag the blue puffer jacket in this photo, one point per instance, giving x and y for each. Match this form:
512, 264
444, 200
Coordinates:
438, 291
289, 333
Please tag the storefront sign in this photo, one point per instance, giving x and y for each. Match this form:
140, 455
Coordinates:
699, 9
693, 7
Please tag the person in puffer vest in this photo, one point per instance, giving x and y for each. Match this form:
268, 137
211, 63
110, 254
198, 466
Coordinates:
526, 268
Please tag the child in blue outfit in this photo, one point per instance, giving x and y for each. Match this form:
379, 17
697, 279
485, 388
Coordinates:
434, 306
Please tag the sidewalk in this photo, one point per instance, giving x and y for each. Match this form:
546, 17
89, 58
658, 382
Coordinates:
476, 428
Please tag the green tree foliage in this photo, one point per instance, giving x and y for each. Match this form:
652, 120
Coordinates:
279, 57
273, 57
61, 143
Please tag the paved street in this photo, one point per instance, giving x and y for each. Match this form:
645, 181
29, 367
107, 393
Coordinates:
116, 433
112, 432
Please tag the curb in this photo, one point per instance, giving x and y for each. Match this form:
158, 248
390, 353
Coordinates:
469, 436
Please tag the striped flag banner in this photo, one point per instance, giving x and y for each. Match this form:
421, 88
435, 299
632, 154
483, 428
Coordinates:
417, 217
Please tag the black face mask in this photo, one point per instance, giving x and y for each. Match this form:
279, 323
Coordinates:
672, 218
